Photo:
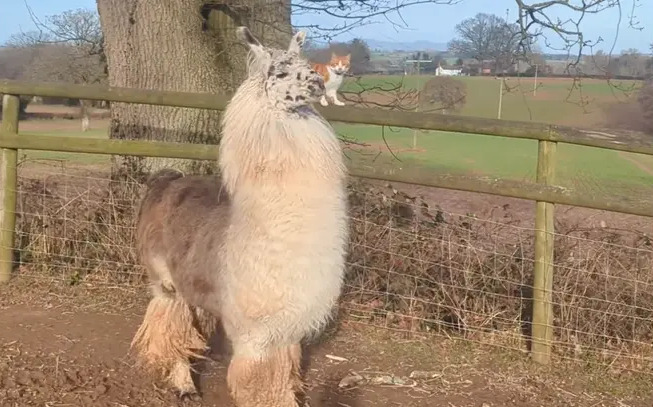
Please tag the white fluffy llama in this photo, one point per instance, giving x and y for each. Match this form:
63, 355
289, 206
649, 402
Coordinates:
261, 248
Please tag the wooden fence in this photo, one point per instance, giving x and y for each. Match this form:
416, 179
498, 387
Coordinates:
544, 190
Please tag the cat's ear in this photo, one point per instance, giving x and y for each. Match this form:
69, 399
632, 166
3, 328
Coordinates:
297, 42
333, 55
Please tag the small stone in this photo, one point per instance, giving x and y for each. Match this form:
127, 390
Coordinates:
8, 383
351, 380
13, 394
86, 401
100, 389
389, 380
38, 376
71, 377
23, 379
422, 374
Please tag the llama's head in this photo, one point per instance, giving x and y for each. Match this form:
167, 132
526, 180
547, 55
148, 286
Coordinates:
288, 79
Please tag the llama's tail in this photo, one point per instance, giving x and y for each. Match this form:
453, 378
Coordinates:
162, 177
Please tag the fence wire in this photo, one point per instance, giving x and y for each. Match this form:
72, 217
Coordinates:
412, 266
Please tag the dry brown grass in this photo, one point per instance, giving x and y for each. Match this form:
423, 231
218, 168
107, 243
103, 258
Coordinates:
77, 225
412, 267
418, 269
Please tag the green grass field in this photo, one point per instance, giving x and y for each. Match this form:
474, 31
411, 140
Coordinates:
557, 100
591, 169
499, 156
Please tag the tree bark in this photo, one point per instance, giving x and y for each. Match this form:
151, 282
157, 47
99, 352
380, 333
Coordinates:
181, 45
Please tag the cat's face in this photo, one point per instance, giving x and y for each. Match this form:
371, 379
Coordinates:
339, 64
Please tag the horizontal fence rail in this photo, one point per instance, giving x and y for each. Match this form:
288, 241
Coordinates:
544, 191
137, 148
613, 140
492, 186
610, 139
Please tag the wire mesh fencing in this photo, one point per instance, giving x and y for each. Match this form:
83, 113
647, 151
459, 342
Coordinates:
418, 269
75, 224
412, 266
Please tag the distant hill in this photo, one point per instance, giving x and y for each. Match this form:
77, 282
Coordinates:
420, 45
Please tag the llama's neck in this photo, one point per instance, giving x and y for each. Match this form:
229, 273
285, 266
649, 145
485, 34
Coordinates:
266, 147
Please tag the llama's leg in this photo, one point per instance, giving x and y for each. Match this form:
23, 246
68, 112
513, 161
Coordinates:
296, 372
206, 323
181, 380
269, 380
167, 339
333, 94
323, 101
160, 275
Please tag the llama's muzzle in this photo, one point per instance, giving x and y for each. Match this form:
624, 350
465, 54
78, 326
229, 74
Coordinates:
317, 87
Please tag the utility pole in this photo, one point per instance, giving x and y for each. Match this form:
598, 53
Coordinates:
535, 81
501, 81
419, 88
418, 62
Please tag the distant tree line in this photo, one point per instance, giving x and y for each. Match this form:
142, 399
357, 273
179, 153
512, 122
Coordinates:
497, 46
66, 47
629, 63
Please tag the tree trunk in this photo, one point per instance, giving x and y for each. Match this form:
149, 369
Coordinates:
181, 45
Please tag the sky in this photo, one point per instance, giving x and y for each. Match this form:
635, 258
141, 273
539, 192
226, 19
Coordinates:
425, 22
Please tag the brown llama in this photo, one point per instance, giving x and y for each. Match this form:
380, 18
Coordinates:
261, 248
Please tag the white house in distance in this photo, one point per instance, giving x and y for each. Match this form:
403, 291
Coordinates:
447, 72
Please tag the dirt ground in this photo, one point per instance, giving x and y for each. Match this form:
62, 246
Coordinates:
68, 346
519, 212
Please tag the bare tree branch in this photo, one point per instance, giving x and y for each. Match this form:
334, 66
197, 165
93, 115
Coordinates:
69, 45
351, 14
535, 21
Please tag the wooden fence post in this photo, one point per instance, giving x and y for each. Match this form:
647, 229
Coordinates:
542, 326
8, 186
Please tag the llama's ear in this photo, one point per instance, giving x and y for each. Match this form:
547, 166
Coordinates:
247, 37
297, 42
254, 45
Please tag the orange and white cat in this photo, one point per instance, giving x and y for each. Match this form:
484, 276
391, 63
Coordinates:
333, 73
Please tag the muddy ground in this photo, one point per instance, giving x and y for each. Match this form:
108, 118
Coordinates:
68, 346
